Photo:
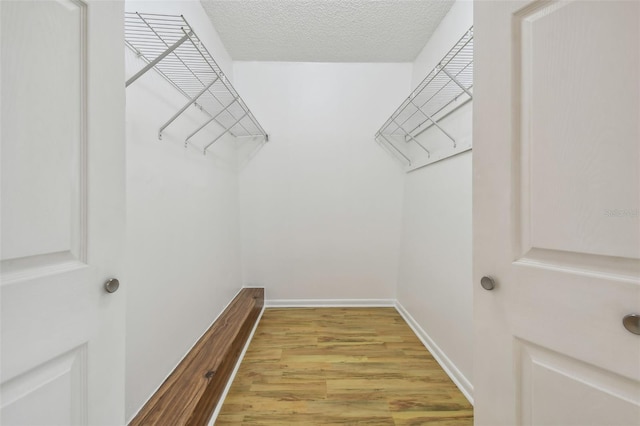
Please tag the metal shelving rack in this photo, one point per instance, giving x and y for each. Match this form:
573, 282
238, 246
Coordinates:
445, 89
168, 44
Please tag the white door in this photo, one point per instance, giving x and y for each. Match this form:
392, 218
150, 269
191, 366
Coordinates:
556, 212
62, 82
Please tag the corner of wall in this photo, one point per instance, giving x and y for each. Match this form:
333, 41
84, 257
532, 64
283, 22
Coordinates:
460, 380
434, 288
183, 230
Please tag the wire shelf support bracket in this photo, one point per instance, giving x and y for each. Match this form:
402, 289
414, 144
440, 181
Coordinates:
448, 87
169, 45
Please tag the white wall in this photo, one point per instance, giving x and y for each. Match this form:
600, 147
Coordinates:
321, 203
319, 213
434, 283
183, 246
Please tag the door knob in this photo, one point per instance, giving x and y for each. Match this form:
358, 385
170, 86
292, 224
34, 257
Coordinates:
632, 323
112, 285
487, 283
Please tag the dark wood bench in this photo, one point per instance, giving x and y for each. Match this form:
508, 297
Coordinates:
190, 394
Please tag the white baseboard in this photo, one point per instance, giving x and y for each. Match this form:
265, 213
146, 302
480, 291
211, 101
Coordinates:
330, 303
447, 365
216, 411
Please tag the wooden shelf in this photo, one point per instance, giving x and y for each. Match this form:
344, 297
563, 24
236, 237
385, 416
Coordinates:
190, 393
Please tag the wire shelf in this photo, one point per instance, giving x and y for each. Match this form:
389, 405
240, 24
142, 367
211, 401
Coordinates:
168, 44
446, 88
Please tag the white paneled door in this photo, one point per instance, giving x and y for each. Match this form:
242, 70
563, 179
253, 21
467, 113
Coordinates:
62, 223
556, 212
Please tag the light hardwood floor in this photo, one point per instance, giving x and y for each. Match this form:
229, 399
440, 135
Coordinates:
337, 366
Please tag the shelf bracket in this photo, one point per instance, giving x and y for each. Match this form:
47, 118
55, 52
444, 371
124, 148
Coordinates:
210, 120
441, 118
184, 108
419, 144
435, 123
158, 59
455, 80
225, 132
411, 137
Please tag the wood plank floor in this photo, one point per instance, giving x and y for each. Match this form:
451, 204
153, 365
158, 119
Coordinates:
337, 366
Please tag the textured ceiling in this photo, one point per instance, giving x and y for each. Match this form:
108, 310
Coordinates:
325, 30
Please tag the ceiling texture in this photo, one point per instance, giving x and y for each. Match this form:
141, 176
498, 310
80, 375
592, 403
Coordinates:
325, 30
